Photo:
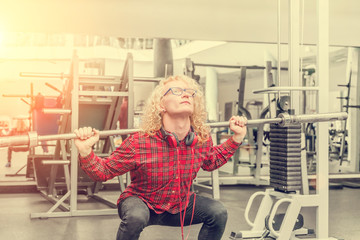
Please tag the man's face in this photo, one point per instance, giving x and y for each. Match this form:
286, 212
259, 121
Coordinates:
177, 101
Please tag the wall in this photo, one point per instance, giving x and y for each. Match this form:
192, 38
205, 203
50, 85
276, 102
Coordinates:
233, 20
12, 83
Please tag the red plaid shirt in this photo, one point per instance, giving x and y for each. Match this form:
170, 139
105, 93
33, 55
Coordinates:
160, 175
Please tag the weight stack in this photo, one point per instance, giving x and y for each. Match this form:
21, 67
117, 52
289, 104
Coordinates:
285, 157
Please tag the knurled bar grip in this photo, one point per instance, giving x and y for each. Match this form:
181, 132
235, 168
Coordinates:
283, 119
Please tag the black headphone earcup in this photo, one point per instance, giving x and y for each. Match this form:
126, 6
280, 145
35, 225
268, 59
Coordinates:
191, 139
173, 140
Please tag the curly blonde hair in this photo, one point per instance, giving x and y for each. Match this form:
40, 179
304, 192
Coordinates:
151, 120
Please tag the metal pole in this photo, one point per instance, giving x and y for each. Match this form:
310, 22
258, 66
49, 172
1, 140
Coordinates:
279, 43
285, 89
250, 123
74, 125
88, 79
322, 153
56, 111
253, 67
282, 119
60, 75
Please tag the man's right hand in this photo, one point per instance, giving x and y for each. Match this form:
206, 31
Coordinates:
86, 138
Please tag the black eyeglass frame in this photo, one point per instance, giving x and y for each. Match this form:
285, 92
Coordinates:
182, 91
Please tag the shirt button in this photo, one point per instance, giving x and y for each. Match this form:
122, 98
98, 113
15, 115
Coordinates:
173, 191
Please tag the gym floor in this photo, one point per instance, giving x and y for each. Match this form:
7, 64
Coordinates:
17, 203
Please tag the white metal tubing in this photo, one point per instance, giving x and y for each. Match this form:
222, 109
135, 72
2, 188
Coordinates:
248, 207
43, 75
95, 78
320, 117
101, 82
272, 215
25, 96
56, 111
102, 93
58, 203
294, 40
322, 167
250, 123
323, 117
131, 91
74, 125
53, 162
61, 75
215, 184
211, 94
147, 79
88, 78
279, 43
304, 172
14, 141
263, 210
285, 89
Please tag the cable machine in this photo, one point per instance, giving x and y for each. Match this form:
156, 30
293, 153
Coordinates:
267, 222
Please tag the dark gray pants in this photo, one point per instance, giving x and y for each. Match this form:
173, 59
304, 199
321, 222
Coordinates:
136, 215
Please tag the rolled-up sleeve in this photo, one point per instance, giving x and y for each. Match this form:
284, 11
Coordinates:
119, 162
217, 156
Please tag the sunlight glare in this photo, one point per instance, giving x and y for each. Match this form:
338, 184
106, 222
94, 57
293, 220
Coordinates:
1, 37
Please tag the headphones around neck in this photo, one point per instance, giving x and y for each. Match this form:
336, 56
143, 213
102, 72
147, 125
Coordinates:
173, 140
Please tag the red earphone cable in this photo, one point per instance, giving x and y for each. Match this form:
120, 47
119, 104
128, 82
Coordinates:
187, 200
192, 216
179, 182
182, 216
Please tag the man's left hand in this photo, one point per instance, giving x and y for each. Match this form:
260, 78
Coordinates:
238, 126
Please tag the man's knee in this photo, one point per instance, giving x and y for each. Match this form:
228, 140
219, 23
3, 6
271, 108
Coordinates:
218, 213
132, 224
134, 214
136, 218
222, 213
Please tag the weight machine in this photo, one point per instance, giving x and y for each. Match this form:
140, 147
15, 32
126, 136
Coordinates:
88, 100
36, 121
283, 227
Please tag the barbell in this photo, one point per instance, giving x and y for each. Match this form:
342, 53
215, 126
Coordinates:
32, 139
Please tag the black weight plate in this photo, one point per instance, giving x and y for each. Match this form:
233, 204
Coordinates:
286, 130
286, 154
285, 169
285, 164
285, 145
284, 173
285, 149
285, 178
276, 126
285, 159
285, 135
285, 140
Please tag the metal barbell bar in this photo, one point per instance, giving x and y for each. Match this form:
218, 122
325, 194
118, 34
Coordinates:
283, 119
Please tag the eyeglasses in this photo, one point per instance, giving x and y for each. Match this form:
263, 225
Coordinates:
179, 91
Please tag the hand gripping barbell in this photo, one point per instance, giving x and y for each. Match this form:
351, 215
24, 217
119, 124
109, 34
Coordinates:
283, 119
